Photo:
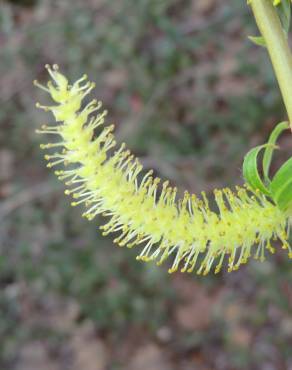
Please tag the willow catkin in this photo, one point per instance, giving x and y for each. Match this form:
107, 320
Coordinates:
143, 212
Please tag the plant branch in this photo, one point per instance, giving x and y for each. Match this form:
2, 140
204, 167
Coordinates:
277, 44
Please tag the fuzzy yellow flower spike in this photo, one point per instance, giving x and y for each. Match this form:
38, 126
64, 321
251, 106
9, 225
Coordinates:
111, 183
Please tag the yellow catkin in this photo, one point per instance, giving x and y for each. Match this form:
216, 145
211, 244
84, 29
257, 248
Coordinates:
111, 182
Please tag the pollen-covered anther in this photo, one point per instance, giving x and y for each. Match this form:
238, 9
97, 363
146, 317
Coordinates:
37, 84
44, 107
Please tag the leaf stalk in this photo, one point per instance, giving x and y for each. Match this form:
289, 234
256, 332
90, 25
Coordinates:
277, 45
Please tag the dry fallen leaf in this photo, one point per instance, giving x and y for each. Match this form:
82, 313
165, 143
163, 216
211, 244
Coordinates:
194, 313
202, 7
240, 336
88, 351
149, 357
34, 356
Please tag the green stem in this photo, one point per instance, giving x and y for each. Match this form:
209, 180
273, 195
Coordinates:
277, 44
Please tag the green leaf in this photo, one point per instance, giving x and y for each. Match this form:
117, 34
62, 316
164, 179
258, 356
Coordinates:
258, 40
269, 149
250, 169
281, 186
284, 10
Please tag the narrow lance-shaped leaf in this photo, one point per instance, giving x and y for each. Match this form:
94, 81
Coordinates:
281, 186
258, 40
250, 170
270, 149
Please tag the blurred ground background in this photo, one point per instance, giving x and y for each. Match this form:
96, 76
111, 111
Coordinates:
190, 95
